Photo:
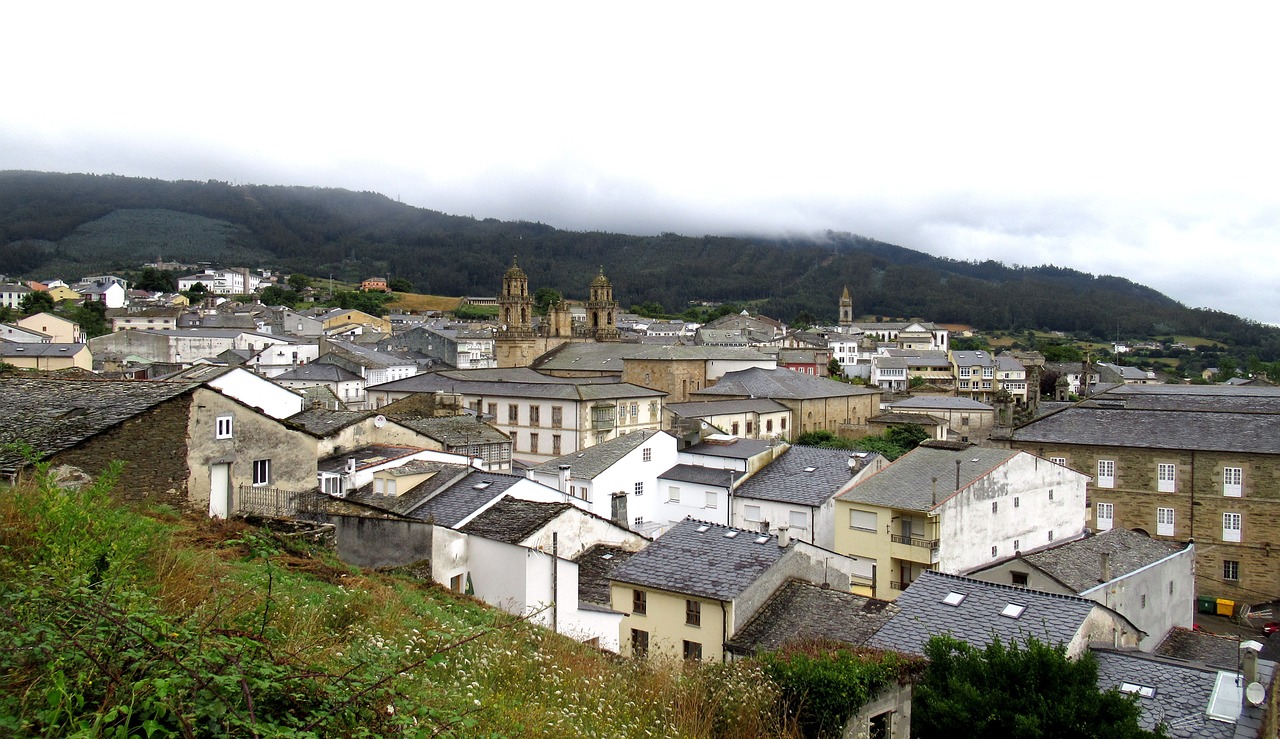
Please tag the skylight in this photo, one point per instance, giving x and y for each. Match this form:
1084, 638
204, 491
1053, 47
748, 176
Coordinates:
1013, 610
1135, 689
1225, 703
953, 599
762, 540
703, 529
483, 485
730, 534
810, 469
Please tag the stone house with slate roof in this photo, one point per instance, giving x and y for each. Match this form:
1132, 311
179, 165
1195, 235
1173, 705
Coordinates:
798, 490
975, 373
816, 403
183, 443
46, 357
1181, 462
346, 385
687, 593
954, 510
753, 418
1191, 699
978, 612
523, 557
545, 417
966, 420
465, 434
617, 479
1150, 582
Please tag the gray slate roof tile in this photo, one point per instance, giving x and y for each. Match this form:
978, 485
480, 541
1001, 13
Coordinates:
803, 475
908, 483
780, 383
801, 611
592, 461
512, 520
696, 558
1078, 564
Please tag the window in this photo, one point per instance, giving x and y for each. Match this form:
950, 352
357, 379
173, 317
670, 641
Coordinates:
768, 426
964, 420
1165, 478
515, 440
493, 410
653, 410
513, 413
995, 506
1106, 515
639, 488
535, 415
1050, 534
635, 412
223, 427
799, 519
1143, 601
692, 650
751, 513
1106, 473
881, 726
1231, 570
557, 416
748, 428
1017, 545
1231, 523
1232, 479
993, 551
1164, 522
533, 443
639, 602
1016, 502
862, 520
734, 429
555, 444
646, 454
673, 494
783, 423
639, 643
1018, 578
712, 500
692, 613
456, 583
1050, 494
262, 472
638, 521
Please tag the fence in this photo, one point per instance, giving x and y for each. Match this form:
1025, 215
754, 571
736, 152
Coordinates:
269, 502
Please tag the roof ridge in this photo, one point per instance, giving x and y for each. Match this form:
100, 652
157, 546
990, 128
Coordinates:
1011, 588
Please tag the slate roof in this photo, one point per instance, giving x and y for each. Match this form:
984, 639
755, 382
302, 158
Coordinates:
512, 520
800, 611
1051, 618
409, 502
704, 408
55, 414
781, 383
908, 483
366, 356
20, 349
696, 558
1190, 645
940, 402
700, 475
460, 500
365, 456
454, 431
1224, 398
611, 357
484, 382
322, 422
736, 449
595, 566
592, 461
919, 419
318, 372
972, 359
1182, 694
802, 475
1248, 433
1077, 564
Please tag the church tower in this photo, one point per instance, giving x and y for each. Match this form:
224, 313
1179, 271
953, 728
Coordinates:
515, 305
602, 311
846, 309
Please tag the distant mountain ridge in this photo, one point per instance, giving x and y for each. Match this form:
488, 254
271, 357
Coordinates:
69, 225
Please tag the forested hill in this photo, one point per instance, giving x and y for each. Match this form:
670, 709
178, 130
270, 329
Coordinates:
69, 225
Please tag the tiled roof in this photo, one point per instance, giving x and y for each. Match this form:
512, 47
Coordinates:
1249, 433
512, 520
972, 359
781, 383
1220, 398
696, 558
454, 430
1077, 564
410, 502
800, 611
17, 349
365, 356
595, 566
318, 372
592, 461
940, 402
920, 419
700, 475
704, 408
453, 505
322, 422
1181, 697
736, 449
803, 475
909, 484
52, 415
1189, 645
365, 456
473, 382
977, 619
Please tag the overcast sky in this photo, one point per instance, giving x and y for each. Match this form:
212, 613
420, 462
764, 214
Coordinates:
1115, 138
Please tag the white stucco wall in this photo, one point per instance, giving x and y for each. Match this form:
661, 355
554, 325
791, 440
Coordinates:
258, 392
1155, 598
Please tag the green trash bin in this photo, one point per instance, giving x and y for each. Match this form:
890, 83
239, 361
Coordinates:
1205, 604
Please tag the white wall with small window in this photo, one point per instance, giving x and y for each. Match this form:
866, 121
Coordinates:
814, 524
697, 499
224, 427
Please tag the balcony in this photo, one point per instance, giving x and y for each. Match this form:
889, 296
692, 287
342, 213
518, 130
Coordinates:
912, 541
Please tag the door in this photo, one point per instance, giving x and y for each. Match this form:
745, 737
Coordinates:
219, 490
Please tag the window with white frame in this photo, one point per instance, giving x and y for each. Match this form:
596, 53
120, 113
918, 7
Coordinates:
1165, 477
1164, 521
751, 513
673, 494
862, 520
1106, 515
261, 472
639, 488
798, 519
1106, 473
713, 500
646, 454
1231, 525
1059, 460
1231, 569
1232, 481
223, 427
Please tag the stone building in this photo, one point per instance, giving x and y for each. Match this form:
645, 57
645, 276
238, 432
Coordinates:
518, 341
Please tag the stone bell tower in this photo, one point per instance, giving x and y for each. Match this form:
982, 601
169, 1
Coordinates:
514, 344
846, 309
602, 310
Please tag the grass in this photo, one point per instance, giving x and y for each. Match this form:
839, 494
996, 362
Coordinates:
420, 303
122, 621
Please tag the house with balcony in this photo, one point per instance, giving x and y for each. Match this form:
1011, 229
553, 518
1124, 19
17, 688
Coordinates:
753, 418
975, 373
1011, 376
954, 508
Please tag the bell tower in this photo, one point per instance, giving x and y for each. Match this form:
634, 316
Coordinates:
602, 310
515, 305
846, 309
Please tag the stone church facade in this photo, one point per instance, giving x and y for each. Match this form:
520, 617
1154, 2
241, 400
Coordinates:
518, 341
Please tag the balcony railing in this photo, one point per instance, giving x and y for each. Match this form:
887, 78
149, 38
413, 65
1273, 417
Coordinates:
912, 541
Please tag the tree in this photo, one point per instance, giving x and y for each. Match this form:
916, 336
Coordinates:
156, 281
91, 317
399, 285
1014, 691
299, 281
1226, 367
276, 295
36, 301
834, 368
544, 298
908, 436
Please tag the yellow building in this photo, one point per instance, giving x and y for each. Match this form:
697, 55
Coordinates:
346, 316
62, 292
46, 357
59, 329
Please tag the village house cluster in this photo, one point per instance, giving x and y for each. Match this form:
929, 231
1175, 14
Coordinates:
635, 484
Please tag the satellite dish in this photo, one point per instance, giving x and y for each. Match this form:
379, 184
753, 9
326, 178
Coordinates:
379, 420
1255, 694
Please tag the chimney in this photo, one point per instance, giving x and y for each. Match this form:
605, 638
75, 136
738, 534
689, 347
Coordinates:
784, 536
1249, 661
351, 465
564, 478
1106, 566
